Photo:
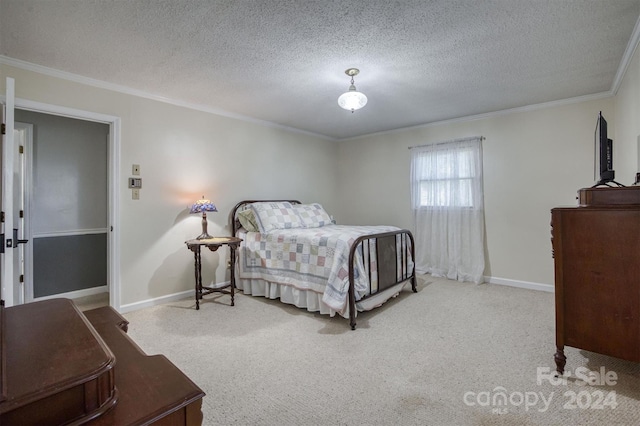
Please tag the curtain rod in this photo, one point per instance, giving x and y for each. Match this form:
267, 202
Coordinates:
449, 141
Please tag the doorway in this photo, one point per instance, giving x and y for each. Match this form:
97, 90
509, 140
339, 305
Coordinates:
66, 211
10, 286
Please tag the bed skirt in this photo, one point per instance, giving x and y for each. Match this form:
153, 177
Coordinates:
310, 300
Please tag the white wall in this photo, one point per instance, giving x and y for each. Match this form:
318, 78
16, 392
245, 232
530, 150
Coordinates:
533, 161
184, 154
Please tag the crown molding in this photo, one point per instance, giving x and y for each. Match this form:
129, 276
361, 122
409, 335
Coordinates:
626, 58
492, 114
76, 78
624, 63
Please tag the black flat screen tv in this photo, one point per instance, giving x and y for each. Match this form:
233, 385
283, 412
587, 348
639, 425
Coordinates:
603, 147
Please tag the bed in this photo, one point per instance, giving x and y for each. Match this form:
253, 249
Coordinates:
296, 253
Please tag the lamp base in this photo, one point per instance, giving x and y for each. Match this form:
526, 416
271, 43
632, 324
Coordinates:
204, 236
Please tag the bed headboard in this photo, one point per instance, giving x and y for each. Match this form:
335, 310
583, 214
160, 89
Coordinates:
235, 223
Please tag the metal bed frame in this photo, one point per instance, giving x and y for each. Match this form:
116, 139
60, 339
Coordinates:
392, 268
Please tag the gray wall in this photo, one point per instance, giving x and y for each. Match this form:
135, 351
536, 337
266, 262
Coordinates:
69, 263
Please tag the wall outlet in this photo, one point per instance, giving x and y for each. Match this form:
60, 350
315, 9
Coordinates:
135, 194
135, 169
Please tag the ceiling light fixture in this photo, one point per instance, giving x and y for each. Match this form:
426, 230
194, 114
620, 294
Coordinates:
352, 99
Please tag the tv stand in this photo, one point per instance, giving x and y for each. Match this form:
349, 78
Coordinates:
596, 251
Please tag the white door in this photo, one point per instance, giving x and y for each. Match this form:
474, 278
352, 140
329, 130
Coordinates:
20, 239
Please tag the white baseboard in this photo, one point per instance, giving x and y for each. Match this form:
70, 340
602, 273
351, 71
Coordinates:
75, 294
164, 299
157, 301
520, 284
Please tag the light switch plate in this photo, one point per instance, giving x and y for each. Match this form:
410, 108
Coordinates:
135, 182
135, 194
135, 169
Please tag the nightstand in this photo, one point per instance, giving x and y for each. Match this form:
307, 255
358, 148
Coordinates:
213, 244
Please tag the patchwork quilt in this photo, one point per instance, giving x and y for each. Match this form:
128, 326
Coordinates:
312, 259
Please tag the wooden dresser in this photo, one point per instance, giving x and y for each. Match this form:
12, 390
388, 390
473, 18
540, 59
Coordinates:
596, 249
62, 366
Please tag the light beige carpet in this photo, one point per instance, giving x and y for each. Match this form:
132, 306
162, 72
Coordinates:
452, 354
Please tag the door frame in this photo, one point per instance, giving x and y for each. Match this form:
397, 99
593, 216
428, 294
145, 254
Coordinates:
113, 183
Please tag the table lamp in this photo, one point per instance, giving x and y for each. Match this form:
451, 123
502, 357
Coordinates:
203, 206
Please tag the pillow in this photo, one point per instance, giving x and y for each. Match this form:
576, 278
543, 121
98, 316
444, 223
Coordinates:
275, 215
248, 220
312, 215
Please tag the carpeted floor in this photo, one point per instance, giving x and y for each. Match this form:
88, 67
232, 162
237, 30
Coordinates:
452, 354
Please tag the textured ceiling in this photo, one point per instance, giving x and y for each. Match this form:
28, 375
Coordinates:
283, 61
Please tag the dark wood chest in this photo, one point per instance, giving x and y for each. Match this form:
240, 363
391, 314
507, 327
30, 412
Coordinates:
596, 249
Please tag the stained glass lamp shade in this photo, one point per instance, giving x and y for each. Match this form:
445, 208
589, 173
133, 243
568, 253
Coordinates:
203, 206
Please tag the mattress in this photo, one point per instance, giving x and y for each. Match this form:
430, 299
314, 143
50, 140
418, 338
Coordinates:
309, 267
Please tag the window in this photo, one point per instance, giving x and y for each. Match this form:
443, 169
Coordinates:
447, 175
448, 209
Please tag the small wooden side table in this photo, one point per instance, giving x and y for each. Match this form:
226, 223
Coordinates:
213, 244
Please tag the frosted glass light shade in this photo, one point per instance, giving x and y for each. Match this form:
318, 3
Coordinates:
352, 100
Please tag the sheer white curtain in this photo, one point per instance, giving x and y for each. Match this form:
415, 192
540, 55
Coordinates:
448, 209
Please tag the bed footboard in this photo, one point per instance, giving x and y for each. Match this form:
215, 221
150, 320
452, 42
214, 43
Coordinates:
389, 257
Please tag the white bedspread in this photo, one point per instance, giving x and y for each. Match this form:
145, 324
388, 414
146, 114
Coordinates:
311, 259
